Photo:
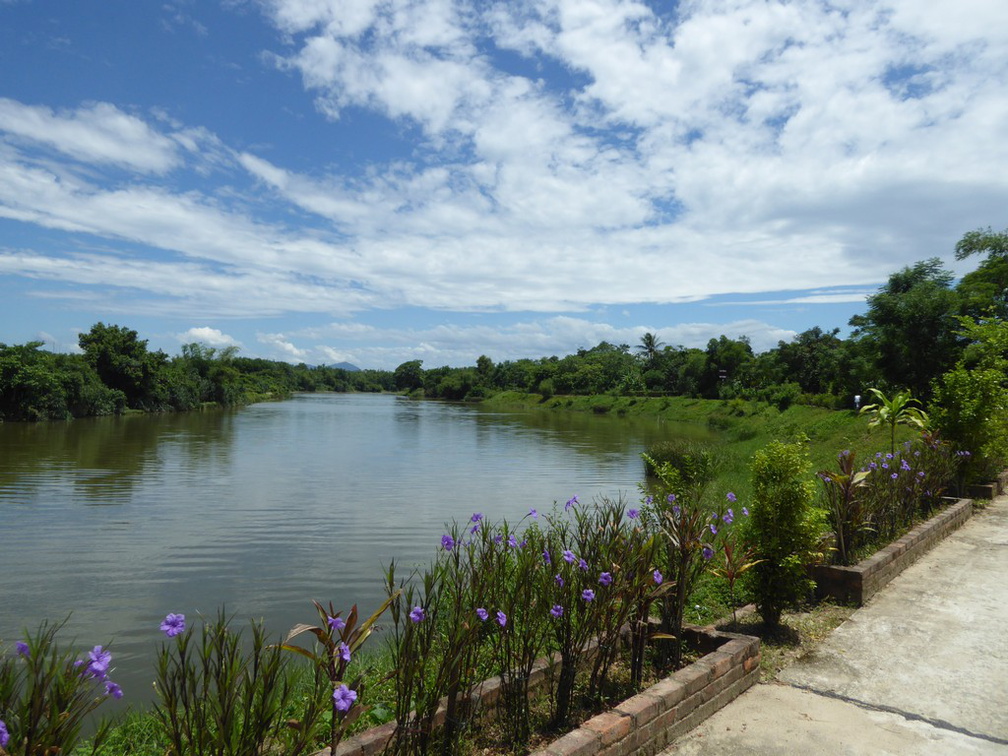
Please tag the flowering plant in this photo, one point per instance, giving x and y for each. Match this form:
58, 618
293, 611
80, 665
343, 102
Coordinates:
47, 693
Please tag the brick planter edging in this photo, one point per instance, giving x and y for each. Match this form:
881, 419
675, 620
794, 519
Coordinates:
644, 723
860, 582
647, 722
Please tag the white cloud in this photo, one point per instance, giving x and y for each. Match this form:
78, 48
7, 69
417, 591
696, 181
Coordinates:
93, 133
278, 343
460, 345
550, 156
207, 335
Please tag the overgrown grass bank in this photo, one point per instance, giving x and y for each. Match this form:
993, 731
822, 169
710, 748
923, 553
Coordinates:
741, 426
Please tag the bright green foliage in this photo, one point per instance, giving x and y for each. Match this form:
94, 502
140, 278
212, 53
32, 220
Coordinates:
784, 528
47, 696
902, 409
971, 401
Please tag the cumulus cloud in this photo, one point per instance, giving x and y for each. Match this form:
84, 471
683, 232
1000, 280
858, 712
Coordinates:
207, 335
542, 158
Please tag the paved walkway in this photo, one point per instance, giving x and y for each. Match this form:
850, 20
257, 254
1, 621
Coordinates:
921, 669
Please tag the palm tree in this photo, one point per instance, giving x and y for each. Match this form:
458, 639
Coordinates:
896, 411
649, 347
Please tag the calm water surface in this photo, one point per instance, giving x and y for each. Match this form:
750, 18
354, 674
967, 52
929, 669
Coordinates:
261, 510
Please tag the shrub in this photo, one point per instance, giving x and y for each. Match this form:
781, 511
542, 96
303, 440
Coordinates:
783, 529
971, 411
693, 463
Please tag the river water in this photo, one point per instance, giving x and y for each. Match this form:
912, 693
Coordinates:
118, 521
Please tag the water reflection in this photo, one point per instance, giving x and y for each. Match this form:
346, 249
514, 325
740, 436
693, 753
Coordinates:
269, 507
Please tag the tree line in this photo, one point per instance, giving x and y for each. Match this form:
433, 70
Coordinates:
913, 332
115, 372
916, 329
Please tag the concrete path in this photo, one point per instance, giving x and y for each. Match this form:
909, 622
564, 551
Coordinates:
921, 669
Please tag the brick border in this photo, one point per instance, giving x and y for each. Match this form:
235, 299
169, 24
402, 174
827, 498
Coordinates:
989, 490
643, 724
860, 582
646, 723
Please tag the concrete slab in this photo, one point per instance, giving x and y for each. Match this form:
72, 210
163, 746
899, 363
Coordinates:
779, 719
922, 668
934, 642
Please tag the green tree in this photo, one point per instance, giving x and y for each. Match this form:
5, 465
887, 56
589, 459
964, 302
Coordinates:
910, 326
409, 376
123, 363
649, 348
985, 290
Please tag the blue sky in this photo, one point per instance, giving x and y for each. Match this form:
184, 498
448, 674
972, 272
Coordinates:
384, 180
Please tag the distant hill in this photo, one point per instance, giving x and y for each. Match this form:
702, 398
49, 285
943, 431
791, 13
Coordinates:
348, 366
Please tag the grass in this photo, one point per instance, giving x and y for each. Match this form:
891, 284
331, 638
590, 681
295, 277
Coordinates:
800, 633
740, 427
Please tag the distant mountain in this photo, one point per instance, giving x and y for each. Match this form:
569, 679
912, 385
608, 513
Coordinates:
348, 366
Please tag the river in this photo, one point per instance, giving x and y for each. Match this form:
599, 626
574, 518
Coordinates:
118, 521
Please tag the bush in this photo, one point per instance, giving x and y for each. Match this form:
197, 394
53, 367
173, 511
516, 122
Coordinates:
783, 530
971, 411
694, 463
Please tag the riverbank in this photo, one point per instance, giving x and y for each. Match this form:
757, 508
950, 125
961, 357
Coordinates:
741, 426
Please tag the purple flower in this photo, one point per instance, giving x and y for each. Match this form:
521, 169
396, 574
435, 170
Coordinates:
731, 497
547, 559
904, 465
4, 735
344, 698
476, 517
633, 514
885, 466
99, 662
605, 579
512, 542
482, 613
920, 473
745, 511
568, 556
344, 651
559, 580
336, 624
22, 649
501, 618
571, 502
418, 614
671, 498
588, 594
173, 624
557, 610
889, 455
713, 528
728, 517
648, 500
894, 476
583, 565
708, 552
873, 466
657, 577
533, 514
447, 542
676, 510
499, 538
113, 689
474, 528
